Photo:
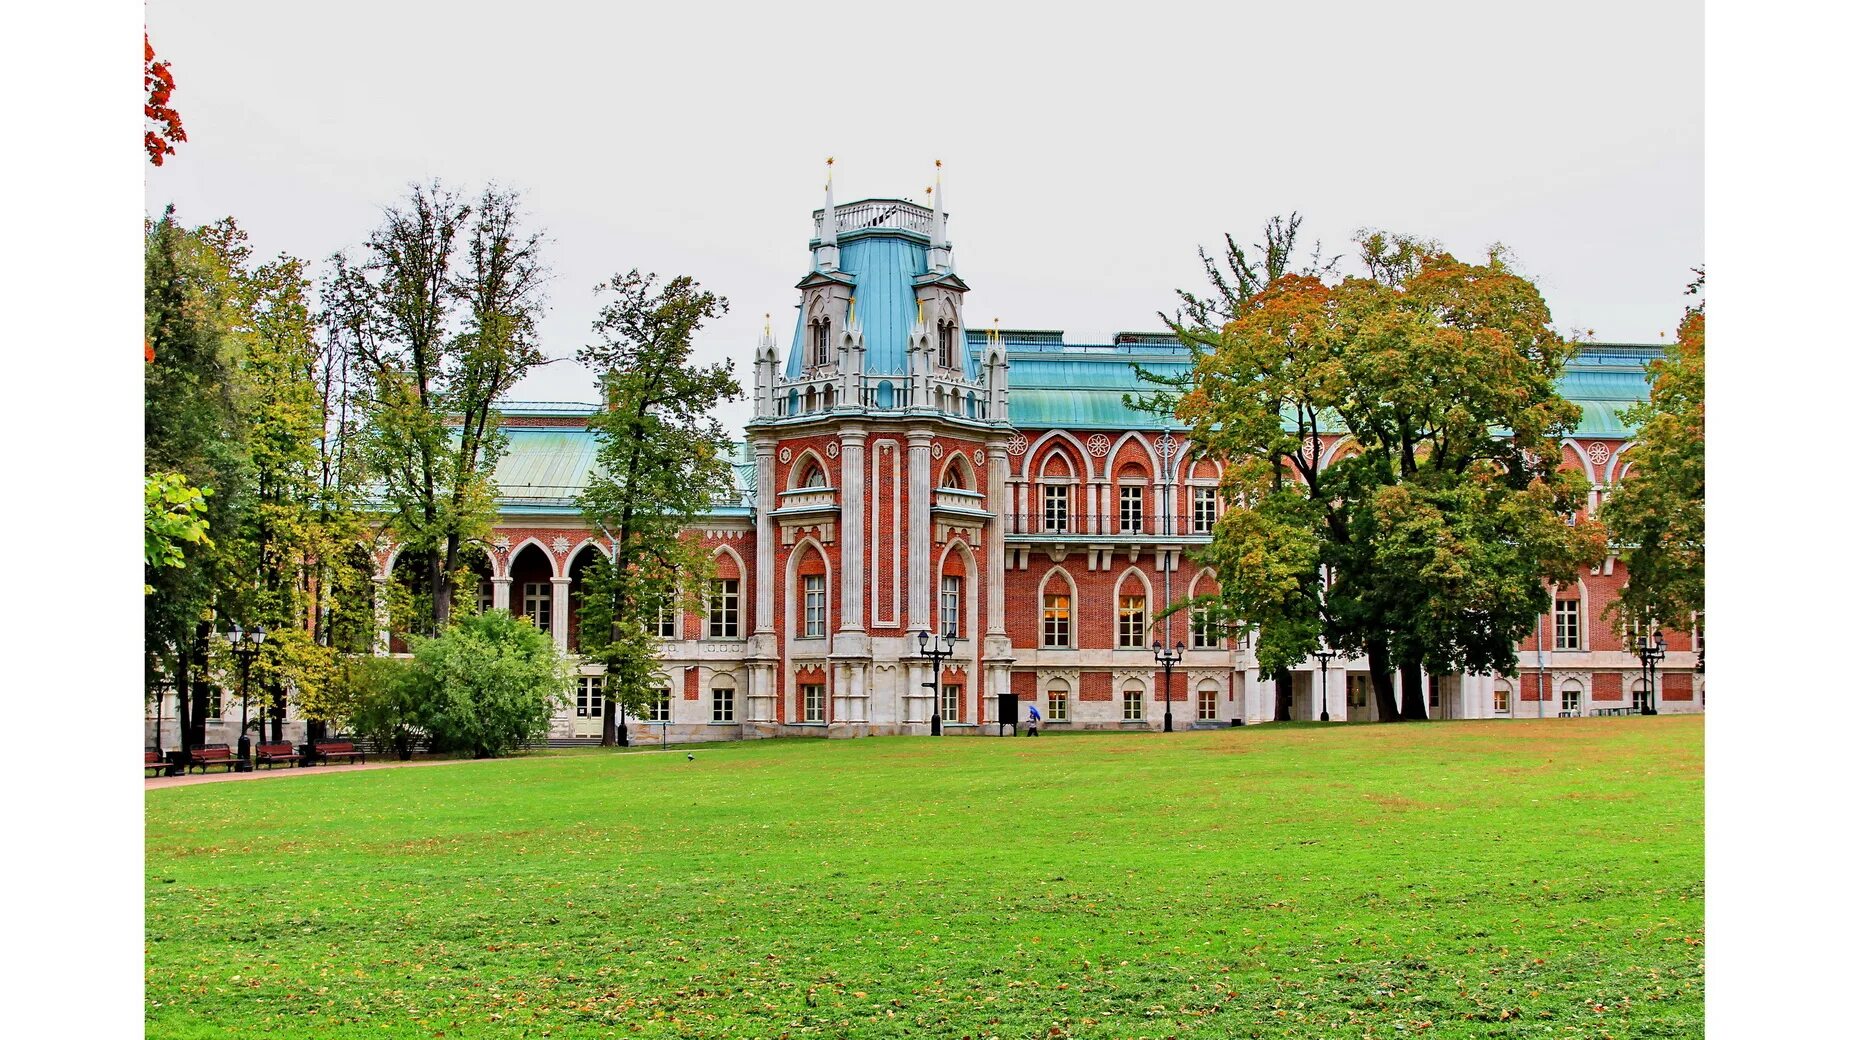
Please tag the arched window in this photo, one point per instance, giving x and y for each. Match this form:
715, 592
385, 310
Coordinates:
1058, 700
1502, 692
1640, 696
814, 477
819, 333
1209, 694
1133, 700
953, 479
946, 345
883, 394
1569, 697
1056, 613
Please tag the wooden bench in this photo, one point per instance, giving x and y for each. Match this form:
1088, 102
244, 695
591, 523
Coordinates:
273, 754
152, 759
346, 749
1627, 710
205, 756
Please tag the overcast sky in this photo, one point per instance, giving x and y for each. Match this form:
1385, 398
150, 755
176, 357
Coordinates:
1084, 158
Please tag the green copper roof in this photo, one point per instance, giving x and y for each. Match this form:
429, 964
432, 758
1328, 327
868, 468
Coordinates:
545, 467
882, 267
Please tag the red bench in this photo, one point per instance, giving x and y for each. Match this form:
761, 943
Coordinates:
151, 759
272, 754
346, 749
205, 756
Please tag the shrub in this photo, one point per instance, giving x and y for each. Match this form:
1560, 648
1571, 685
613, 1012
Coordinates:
382, 701
488, 684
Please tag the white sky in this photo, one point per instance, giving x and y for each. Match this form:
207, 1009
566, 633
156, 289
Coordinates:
1085, 158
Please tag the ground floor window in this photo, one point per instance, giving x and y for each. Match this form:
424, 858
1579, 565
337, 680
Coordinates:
1210, 702
1640, 695
722, 703
214, 702
1056, 701
1133, 704
1569, 699
950, 697
590, 696
813, 701
536, 604
663, 704
1502, 699
1357, 691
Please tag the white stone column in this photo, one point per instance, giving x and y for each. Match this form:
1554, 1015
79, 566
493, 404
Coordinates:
503, 593
763, 582
918, 534
853, 528
561, 613
997, 538
381, 615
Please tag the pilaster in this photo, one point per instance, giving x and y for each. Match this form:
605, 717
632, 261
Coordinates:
561, 614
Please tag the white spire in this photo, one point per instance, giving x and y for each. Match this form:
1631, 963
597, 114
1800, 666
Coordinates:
828, 255
940, 240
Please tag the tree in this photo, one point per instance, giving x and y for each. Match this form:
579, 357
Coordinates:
440, 339
1432, 543
175, 515
191, 308
1284, 602
489, 684
1658, 514
162, 129
662, 461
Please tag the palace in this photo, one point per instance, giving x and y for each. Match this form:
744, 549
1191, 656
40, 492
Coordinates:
904, 472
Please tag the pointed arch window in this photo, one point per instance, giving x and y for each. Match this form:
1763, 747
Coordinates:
946, 345
820, 334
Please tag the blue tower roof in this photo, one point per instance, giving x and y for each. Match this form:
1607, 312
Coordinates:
882, 268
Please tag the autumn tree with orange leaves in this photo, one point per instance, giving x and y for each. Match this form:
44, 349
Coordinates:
163, 122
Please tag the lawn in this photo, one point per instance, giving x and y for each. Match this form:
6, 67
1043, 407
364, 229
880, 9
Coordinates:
1444, 879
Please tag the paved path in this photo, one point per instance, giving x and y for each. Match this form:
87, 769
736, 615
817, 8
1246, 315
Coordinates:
264, 774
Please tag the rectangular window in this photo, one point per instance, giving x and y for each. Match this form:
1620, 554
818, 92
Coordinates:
1566, 624
722, 609
1502, 700
214, 702
667, 621
664, 701
1210, 704
536, 604
1133, 705
590, 696
1569, 700
1056, 704
1132, 619
1206, 509
1640, 696
946, 345
1056, 620
815, 606
722, 703
814, 702
1130, 510
1206, 634
1054, 508
484, 598
1357, 691
950, 606
949, 698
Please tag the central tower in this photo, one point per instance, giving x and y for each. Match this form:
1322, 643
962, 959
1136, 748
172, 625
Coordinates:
880, 444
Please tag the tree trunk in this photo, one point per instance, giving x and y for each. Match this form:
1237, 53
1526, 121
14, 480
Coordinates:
1412, 692
1282, 682
1380, 673
183, 695
202, 635
439, 593
277, 703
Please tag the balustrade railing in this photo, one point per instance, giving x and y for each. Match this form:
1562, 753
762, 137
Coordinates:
888, 213
1095, 524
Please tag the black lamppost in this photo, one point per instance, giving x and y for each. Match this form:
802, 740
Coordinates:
1167, 659
1650, 652
622, 723
1322, 657
937, 653
246, 646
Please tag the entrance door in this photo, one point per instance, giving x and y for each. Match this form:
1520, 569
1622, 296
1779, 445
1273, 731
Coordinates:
588, 719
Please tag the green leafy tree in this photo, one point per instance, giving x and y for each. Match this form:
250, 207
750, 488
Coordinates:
1431, 541
489, 684
441, 316
175, 515
191, 311
1658, 515
662, 461
380, 698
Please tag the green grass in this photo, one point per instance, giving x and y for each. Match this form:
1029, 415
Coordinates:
1447, 879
